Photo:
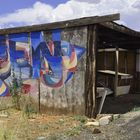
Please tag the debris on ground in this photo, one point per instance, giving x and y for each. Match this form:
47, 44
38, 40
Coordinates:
105, 120
95, 123
96, 131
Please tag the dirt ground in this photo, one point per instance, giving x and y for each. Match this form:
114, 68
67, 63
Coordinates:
20, 125
17, 126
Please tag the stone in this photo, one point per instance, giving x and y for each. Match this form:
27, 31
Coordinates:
41, 138
105, 120
3, 115
116, 116
61, 120
95, 123
96, 131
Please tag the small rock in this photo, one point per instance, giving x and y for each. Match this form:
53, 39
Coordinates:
116, 116
95, 123
61, 120
4, 115
41, 138
105, 120
96, 131
123, 131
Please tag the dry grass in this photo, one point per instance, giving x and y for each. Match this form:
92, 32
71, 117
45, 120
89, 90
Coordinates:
18, 126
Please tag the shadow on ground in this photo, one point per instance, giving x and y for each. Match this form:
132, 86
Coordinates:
121, 104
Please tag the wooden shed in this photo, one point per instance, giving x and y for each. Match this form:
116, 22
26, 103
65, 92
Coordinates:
109, 66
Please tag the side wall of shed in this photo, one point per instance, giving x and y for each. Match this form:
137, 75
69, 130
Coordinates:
66, 98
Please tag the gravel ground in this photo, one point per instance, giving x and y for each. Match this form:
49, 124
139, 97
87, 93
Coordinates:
127, 127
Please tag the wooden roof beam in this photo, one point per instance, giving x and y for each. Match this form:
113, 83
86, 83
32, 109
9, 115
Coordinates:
63, 24
120, 28
119, 41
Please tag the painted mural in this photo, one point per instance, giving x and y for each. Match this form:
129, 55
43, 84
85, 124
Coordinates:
29, 56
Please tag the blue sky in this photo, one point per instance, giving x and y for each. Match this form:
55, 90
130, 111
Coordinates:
15, 13
8, 6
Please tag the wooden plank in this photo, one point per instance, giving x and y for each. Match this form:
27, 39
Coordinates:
102, 102
63, 24
110, 72
111, 50
90, 81
116, 70
123, 90
39, 92
94, 61
88, 69
120, 28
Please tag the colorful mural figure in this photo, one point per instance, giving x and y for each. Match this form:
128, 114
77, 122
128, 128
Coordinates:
5, 68
20, 49
4, 89
4, 59
29, 54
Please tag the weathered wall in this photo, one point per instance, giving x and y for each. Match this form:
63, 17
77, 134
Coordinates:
70, 97
26, 54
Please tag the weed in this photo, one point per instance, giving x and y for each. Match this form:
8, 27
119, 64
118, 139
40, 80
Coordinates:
74, 131
15, 93
81, 119
136, 108
5, 134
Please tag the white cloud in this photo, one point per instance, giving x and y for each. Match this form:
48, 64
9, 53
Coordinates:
43, 13
40, 12
89, 1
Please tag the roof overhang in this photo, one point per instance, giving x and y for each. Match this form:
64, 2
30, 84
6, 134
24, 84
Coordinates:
63, 24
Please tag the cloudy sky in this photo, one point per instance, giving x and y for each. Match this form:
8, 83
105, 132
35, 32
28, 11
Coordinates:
15, 13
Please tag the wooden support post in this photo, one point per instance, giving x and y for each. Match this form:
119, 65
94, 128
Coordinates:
126, 65
116, 70
90, 81
94, 61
